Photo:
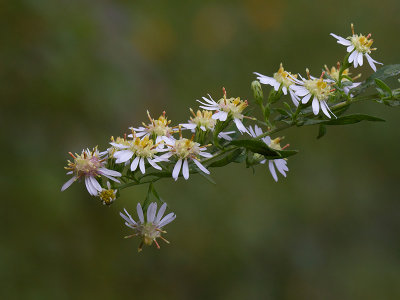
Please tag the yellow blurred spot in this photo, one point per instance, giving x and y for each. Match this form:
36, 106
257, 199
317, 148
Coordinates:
213, 27
154, 39
265, 14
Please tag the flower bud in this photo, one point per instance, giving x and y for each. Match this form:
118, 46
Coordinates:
257, 91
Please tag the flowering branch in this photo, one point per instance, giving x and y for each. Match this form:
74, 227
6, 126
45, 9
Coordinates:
219, 134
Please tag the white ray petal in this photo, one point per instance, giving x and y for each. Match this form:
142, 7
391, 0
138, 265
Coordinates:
220, 115
356, 59
92, 191
341, 40
315, 106
352, 56
360, 59
68, 183
302, 92
200, 166
123, 156
151, 212
258, 131
240, 125
139, 211
160, 213
95, 183
324, 109
167, 219
251, 131
294, 98
185, 169
272, 170
280, 165
205, 154
142, 166
189, 126
127, 217
135, 163
177, 169
327, 107
105, 171
153, 164
111, 178
225, 135
306, 98
350, 48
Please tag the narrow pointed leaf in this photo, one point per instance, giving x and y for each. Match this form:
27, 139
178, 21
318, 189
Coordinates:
260, 147
345, 120
230, 157
383, 73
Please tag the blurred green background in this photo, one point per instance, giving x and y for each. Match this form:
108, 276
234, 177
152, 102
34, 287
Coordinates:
73, 73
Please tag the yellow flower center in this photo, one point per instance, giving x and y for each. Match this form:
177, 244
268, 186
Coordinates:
88, 163
334, 73
282, 76
149, 233
159, 127
318, 88
107, 196
203, 119
275, 144
234, 106
184, 148
361, 43
143, 147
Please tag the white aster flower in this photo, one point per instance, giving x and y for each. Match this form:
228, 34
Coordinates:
317, 89
108, 195
231, 107
157, 127
283, 78
149, 228
89, 165
142, 149
204, 121
201, 119
359, 46
116, 145
280, 164
334, 74
184, 150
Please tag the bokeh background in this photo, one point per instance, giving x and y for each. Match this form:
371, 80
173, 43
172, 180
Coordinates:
73, 73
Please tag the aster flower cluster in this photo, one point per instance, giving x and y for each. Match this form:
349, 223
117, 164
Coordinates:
220, 132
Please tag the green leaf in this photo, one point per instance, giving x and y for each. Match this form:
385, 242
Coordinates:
383, 73
146, 201
321, 131
256, 146
383, 86
341, 110
154, 192
241, 158
230, 157
345, 120
286, 153
207, 177
260, 147
281, 111
288, 108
